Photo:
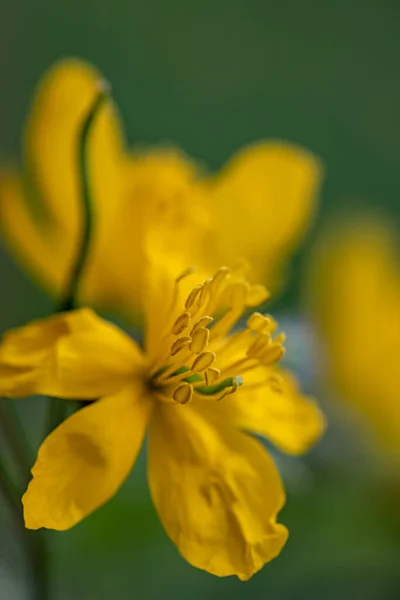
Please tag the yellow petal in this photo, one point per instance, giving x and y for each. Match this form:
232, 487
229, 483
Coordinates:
276, 410
85, 460
62, 99
217, 492
30, 241
159, 222
261, 205
354, 291
70, 355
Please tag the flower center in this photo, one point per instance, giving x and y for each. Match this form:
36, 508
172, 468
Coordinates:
201, 356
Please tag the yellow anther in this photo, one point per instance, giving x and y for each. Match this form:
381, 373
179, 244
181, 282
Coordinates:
256, 295
242, 267
203, 362
185, 273
211, 375
218, 278
203, 322
203, 292
181, 323
280, 338
191, 299
183, 393
239, 292
260, 344
257, 321
199, 340
180, 343
271, 355
227, 392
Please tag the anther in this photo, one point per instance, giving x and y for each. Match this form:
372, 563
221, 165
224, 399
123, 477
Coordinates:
227, 392
203, 322
256, 321
203, 361
271, 355
185, 273
199, 340
211, 375
218, 278
181, 323
260, 344
179, 344
239, 292
256, 295
183, 393
191, 299
203, 292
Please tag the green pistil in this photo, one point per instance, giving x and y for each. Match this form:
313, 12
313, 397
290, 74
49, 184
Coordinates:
210, 390
205, 390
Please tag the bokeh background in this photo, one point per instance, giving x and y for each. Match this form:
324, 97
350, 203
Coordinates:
211, 76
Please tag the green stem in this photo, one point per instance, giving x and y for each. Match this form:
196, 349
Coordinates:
16, 438
34, 542
10, 490
69, 300
57, 407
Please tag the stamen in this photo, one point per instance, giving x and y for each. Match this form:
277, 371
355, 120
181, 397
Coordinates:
185, 273
199, 340
191, 346
272, 355
257, 294
191, 299
227, 392
203, 322
179, 344
211, 375
183, 393
181, 323
203, 362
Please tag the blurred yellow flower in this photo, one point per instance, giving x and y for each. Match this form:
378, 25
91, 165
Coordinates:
355, 294
149, 206
216, 489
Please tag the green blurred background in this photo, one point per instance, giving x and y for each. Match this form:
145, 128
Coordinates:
211, 77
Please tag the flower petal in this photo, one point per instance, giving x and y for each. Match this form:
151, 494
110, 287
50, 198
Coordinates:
160, 221
30, 241
52, 189
85, 460
217, 492
276, 410
261, 204
354, 293
70, 355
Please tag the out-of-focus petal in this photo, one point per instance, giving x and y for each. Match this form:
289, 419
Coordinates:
35, 245
53, 190
354, 293
261, 204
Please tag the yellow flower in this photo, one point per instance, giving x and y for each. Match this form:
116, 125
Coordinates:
355, 295
147, 206
215, 488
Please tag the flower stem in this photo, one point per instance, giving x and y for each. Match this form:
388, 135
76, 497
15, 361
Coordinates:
69, 300
57, 408
16, 438
33, 541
